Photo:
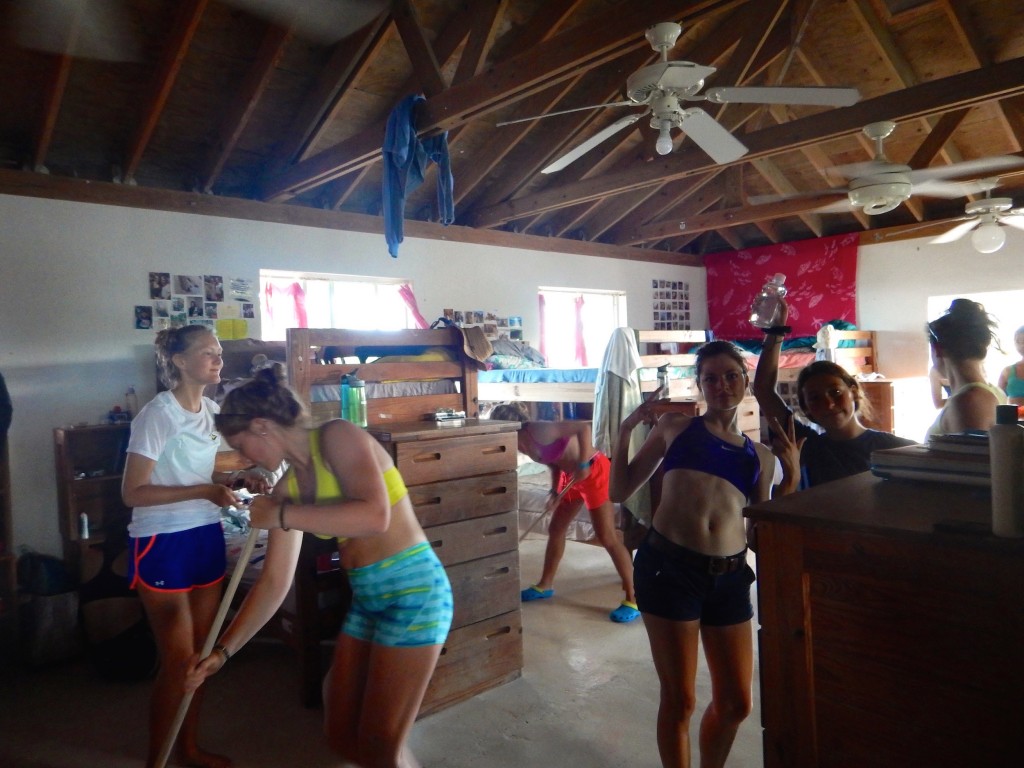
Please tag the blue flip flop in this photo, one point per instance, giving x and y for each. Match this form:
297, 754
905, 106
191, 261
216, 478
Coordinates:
625, 613
532, 593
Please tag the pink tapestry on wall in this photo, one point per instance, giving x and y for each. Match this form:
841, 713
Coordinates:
821, 279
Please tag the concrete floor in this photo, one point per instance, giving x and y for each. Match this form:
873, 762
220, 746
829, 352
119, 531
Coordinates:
587, 697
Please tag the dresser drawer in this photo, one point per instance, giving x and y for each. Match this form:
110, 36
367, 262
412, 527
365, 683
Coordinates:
474, 658
475, 538
485, 587
465, 498
429, 461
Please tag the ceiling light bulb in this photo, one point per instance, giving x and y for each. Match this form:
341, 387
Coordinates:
664, 143
988, 238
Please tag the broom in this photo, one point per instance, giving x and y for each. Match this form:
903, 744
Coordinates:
553, 506
211, 639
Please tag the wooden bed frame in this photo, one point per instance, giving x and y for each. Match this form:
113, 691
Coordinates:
575, 392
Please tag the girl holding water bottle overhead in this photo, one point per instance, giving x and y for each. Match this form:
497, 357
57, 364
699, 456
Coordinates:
831, 398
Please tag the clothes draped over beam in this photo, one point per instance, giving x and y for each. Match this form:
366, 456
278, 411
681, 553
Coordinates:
406, 158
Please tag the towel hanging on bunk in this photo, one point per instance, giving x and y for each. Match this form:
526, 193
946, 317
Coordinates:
617, 394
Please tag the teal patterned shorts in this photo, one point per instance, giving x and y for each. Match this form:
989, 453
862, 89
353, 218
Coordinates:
401, 601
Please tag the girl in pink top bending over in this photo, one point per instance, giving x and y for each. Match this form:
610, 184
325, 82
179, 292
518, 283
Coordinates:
566, 448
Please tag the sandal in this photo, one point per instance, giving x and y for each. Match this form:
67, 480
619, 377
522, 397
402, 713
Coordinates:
625, 613
532, 593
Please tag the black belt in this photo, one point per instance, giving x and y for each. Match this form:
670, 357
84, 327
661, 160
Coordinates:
710, 564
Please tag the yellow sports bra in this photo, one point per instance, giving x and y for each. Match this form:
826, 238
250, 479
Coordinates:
327, 488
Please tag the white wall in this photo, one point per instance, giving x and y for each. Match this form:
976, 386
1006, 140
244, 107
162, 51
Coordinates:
72, 273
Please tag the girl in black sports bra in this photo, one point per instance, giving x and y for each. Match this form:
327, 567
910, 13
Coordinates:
691, 575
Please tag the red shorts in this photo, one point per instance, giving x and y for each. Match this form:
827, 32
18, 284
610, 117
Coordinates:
592, 490
179, 562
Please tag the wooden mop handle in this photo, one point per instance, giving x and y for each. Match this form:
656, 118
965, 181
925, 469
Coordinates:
553, 505
211, 639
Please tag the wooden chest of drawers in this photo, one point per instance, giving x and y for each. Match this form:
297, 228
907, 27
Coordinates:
462, 483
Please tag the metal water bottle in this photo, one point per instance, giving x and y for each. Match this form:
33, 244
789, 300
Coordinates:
765, 309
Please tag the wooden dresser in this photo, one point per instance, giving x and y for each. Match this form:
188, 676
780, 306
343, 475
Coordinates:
886, 639
462, 483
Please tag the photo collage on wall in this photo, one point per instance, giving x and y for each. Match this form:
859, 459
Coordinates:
495, 326
671, 305
180, 300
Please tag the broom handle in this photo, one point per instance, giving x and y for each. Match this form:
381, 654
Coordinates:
553, 505
211, 639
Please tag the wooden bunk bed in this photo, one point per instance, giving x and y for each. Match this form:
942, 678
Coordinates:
462, 482
577, 385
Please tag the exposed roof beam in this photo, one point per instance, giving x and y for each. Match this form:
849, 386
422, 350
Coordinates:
486, 16
348, 58
240, 111
55, 85
961, 90
421, 53
190, 12
603, 38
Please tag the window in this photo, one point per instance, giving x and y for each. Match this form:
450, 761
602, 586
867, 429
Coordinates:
576, 325
310, 300
1005, 309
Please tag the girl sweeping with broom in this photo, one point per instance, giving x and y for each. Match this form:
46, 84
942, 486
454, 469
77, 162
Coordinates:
342, 484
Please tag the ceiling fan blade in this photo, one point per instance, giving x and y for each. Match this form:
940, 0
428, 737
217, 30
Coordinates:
948, 189
1015, 220
866, 168
86, 29
322, 21
592, 142
567, 111
708, 134
956, 232
778, 198
829, 97
980, 166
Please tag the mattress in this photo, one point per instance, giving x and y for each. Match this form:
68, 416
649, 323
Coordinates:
326, 393
538, 376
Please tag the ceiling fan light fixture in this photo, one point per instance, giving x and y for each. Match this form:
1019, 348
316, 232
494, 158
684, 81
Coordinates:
664, 143
989, 237
876, 199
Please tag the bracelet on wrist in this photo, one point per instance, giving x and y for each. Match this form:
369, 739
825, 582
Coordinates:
219, 648
585, 464
280, 515
778, 330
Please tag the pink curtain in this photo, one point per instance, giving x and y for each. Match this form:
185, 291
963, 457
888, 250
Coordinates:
285, 304
581, 348
543, 331
405, 291
821, 279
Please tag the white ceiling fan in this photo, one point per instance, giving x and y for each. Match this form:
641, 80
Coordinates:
662, 87
986, 217
879, 185
105, 29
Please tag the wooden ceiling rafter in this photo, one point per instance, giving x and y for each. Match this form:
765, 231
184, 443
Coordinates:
56, 85
190, 13
421, 53
599, 40
240, 111
471, 173
347, 61
482, 33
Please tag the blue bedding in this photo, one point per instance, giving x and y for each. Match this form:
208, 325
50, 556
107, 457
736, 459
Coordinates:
538, 375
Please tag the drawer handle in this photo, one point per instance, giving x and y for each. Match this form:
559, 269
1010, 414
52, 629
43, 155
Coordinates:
420, 458
500, 530
501, 489
493, 449
437, 544
498, 572
506, 630
431, 502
